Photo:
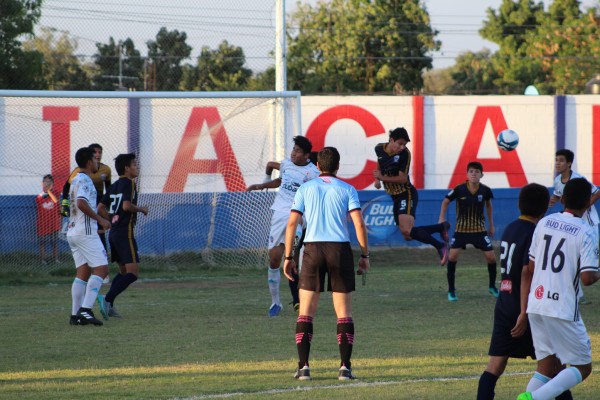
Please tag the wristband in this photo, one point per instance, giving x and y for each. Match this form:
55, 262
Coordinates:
365, 255
289, 258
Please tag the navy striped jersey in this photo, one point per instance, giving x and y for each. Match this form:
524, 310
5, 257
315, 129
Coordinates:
470, 206
391, 165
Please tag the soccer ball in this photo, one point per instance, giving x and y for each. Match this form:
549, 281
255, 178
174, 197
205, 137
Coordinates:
508, 140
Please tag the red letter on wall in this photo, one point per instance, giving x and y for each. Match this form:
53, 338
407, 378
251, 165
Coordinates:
317, 131
595, 145
508, 162
61, 118
185, 164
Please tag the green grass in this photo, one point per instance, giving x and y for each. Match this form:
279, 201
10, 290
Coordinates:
198, 333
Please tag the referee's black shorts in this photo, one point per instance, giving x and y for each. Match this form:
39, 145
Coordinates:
405, 203
123, 248
504, 345
334, 259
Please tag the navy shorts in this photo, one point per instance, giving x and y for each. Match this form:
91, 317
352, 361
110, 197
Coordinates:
480, 240
405, 203
334, 259
123, 249
504, 345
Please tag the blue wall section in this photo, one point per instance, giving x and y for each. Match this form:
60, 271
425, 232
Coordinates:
180, 222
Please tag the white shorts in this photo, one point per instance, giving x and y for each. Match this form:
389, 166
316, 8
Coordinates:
279, 221
567, 339
87, 250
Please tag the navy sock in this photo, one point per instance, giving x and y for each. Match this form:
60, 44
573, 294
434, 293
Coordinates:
119, 285
345, 336
421, 234
492, 274
431, 229
304, 332
450, 273
566, 395
487, 386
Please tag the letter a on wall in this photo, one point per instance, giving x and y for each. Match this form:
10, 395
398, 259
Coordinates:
225, 164
508, 162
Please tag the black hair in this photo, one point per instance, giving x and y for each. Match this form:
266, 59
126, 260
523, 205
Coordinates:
567, 154
399, 133
313, 157
48, 176
533, 200
83, 155
329, 160
95, 146
576, 194
303, 143
475, 165
122, 161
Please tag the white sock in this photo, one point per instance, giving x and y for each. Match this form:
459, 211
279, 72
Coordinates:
77, 293
91, 292
274, 277
565, 380
537, 381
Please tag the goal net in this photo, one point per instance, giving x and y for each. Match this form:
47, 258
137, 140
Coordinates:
197, 152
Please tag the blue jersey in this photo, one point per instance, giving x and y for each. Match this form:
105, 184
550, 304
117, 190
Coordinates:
325, 202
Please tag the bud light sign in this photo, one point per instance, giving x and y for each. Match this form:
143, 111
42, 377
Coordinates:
379, 217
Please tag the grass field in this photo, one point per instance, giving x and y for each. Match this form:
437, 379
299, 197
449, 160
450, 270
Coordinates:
202, 333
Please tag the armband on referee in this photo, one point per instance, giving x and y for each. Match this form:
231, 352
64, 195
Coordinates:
365, 255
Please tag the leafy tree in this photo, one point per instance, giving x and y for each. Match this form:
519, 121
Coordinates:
108, 70
166, 54
360, 45
219, 69
19, 69
62, 70
474, 73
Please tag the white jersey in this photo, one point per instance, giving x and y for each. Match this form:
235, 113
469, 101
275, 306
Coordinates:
292, 176
562, 247
83, 188
590, 216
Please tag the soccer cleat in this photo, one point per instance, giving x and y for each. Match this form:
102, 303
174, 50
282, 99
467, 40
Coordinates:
494, 291
452, 296
302, 374
275, 310
345, 374
525, 396
446, 231
112, 311
104, 306
74, 320
443, 252
86, 317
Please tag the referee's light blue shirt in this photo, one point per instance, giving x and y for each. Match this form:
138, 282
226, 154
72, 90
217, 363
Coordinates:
325, 202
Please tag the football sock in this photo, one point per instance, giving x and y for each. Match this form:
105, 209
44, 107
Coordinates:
537, 381
304, 332
566, 395
77, 294
294, 288
420, 233
119, 286
345, 337
451, 273
91, 291
487, 385
492, 274
274, 277
566, 379
431, 229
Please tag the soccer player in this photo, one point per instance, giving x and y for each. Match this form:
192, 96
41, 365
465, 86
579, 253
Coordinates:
121, 202
47, 219
101, 179
393, 160
325, 203
293, 173
563, 252
563, 163
471, 198
88, 252
511, 336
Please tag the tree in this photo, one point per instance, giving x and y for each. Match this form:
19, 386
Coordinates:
360, 45
219, 69
165, 56
474, 73
19, 69
118, 63
62, 70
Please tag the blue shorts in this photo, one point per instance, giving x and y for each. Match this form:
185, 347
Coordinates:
480, 240
123, 249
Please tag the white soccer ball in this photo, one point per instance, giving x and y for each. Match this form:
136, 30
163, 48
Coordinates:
508, 140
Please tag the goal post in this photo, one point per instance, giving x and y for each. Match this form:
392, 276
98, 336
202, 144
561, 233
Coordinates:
197, 153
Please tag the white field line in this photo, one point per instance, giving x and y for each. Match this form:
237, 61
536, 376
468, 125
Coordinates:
340, 386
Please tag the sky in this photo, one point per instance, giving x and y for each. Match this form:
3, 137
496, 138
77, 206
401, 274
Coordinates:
248, 24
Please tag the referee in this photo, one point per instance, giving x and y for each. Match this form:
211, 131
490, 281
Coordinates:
325, 203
